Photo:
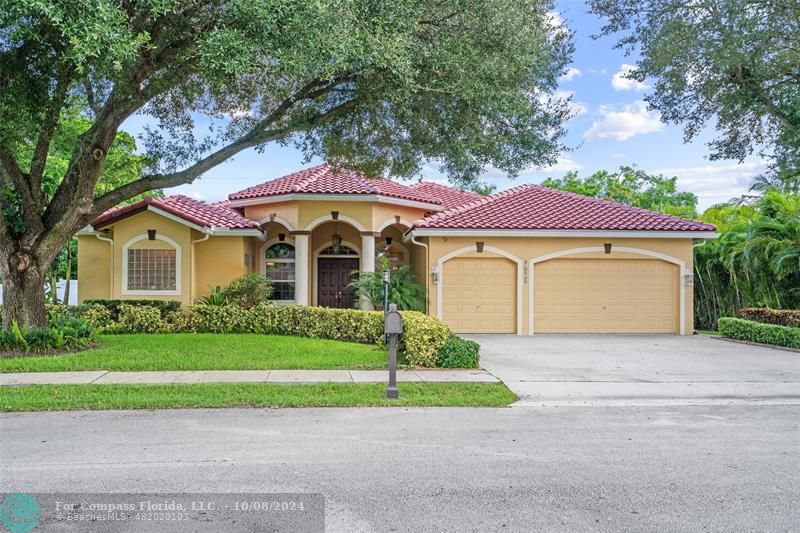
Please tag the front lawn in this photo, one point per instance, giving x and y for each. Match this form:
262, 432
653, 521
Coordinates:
206, 351
101, 397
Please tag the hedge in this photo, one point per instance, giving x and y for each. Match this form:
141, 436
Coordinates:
164, 306
748, 330
459, 353
779, 317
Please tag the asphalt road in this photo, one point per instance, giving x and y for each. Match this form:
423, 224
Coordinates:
710, 468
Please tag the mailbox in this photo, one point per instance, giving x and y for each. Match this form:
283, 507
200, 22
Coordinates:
393, 321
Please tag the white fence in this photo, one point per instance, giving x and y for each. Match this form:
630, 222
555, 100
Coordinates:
60, 286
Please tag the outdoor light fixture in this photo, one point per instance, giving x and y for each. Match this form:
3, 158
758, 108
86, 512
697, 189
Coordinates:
281, 237
479, 247
607, 247
435, 274
151, 234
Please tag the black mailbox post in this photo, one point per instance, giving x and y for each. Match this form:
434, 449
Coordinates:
393, 327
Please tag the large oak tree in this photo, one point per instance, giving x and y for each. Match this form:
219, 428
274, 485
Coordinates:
383, 86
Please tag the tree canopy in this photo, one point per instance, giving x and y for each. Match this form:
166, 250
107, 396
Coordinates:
383, 86
734, 63
631, 186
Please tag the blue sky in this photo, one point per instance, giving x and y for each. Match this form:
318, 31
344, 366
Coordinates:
612, 128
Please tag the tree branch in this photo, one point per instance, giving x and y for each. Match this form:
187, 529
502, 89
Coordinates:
256, 137
30, 205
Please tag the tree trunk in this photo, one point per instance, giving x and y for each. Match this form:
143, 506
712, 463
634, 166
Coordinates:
23, 297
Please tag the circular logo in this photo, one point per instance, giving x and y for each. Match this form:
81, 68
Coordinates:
19, 512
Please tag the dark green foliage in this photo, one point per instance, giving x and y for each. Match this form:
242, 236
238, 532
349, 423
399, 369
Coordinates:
164, 306
63, 333
747, 330
765, 315
403, 287
215, 297
459, 353
248, 290
754, 263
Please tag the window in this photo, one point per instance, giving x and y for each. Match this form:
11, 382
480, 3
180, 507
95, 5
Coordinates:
338, 250
279, 260
152, 270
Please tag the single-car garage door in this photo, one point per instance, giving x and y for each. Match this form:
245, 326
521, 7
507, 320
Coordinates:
605, 296
479, 295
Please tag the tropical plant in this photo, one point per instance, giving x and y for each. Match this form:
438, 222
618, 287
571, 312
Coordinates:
248, 290
216, 296
754, 263
403, 287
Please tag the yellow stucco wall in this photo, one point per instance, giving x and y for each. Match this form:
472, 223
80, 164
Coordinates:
526, 248
94, 268
217, 261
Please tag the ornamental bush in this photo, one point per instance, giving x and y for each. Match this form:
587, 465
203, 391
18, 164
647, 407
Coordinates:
459, 353
779, 317
163, 306
96, 315
422, 339
248, 290
140, 319
748, 330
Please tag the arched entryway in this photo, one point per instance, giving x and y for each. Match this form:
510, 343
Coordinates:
336, 261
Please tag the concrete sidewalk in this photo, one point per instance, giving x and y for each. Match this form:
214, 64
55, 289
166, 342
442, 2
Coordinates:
102, 377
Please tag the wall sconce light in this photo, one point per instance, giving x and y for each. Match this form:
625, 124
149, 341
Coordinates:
281, 237
607, 247
151, 234
335, 215
479, 247
388, 241
435, 274
688, 278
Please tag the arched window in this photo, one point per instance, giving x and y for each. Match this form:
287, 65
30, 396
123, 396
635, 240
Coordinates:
279, 261
338, 250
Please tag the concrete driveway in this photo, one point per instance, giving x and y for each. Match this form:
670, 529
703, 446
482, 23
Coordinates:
639, 369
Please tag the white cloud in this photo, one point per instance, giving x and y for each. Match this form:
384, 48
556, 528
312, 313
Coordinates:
193, 194
576, 108
571, 73
564, 164
556, 21
621, 82
716, 183
625, 122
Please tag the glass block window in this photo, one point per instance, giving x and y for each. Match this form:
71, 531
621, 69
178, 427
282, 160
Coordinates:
152, 270
279, 260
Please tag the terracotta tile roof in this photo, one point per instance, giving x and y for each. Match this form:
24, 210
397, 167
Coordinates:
448, 196
533, 207
324, 179
193, 211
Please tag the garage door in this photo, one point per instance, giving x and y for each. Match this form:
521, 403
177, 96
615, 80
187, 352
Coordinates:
605, 296
479, 295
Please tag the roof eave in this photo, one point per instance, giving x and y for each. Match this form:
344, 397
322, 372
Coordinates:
653, 234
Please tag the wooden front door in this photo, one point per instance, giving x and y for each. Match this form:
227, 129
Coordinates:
333, 276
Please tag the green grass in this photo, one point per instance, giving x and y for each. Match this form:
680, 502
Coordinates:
102, 397
206, 351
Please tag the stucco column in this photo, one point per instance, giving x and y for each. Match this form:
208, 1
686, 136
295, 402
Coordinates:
367, 261
301, 275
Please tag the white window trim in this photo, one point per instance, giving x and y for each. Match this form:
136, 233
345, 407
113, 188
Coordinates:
178, 267
471, 249
315, 260
599, 249
263, 264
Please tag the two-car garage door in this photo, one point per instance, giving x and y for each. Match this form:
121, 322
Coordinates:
479, 295
605, 296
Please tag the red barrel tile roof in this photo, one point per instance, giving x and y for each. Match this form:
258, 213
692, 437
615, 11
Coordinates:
193, 211
533, 207
448, 196
325, 179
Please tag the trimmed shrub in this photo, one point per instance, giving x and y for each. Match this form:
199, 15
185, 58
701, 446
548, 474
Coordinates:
422, 339
459, 353
63, 333
747, 330
96, 315
248, 290
139, 319
779, 317
163, 306
219, 319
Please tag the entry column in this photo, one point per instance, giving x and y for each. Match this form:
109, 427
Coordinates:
301, 268
367, 260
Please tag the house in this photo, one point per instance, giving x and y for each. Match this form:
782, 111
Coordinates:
526, 260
